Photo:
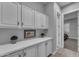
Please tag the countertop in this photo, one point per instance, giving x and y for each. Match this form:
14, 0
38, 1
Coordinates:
9, 48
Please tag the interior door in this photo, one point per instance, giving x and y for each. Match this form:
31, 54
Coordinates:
9, 13
27, 17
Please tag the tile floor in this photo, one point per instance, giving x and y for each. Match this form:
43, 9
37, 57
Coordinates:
65, 53
71, 44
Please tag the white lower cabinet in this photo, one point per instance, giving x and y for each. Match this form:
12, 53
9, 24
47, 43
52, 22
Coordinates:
16, 54
44, 49
30, 51
48, 47
41, 50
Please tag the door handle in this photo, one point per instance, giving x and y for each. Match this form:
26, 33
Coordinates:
19, 55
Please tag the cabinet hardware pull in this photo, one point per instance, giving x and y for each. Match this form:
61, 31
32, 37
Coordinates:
22, 23
17, 23
19, 55
46, 43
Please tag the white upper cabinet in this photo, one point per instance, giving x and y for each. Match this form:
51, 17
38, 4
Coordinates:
40, 20
27, 17
9, 14
15, 15
45, 21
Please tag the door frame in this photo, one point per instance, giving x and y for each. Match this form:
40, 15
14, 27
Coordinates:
62, 26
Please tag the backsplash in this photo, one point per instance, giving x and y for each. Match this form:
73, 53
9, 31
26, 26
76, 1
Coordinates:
39, 31
5, 34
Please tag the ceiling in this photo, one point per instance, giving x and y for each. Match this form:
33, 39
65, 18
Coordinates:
61, 4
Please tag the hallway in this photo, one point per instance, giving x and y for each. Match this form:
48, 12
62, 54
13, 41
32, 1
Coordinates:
71, 44
65, 53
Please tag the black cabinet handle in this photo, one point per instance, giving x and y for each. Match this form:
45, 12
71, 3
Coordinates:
46, 43
19, 55
22, 23
17, 23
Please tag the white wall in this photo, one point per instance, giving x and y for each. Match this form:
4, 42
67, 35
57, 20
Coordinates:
5, 35
70, 16
72, 29
50, 10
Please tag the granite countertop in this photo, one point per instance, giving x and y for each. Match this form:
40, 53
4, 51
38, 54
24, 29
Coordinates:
9, 48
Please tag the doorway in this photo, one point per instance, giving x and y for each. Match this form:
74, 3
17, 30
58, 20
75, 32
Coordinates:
71, 31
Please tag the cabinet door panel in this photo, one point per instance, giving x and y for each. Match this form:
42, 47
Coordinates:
41, 50
38, 20
30, 52
49, 47
9, 13
44, 21
16, 54
27, 16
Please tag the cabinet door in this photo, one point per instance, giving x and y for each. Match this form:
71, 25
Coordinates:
9, 14
30, 52
44, 21
27, 17
38, 20
49, 47
59, 28
16, 54
41, 50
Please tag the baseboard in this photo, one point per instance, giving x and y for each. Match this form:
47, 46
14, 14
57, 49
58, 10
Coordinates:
73, 38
